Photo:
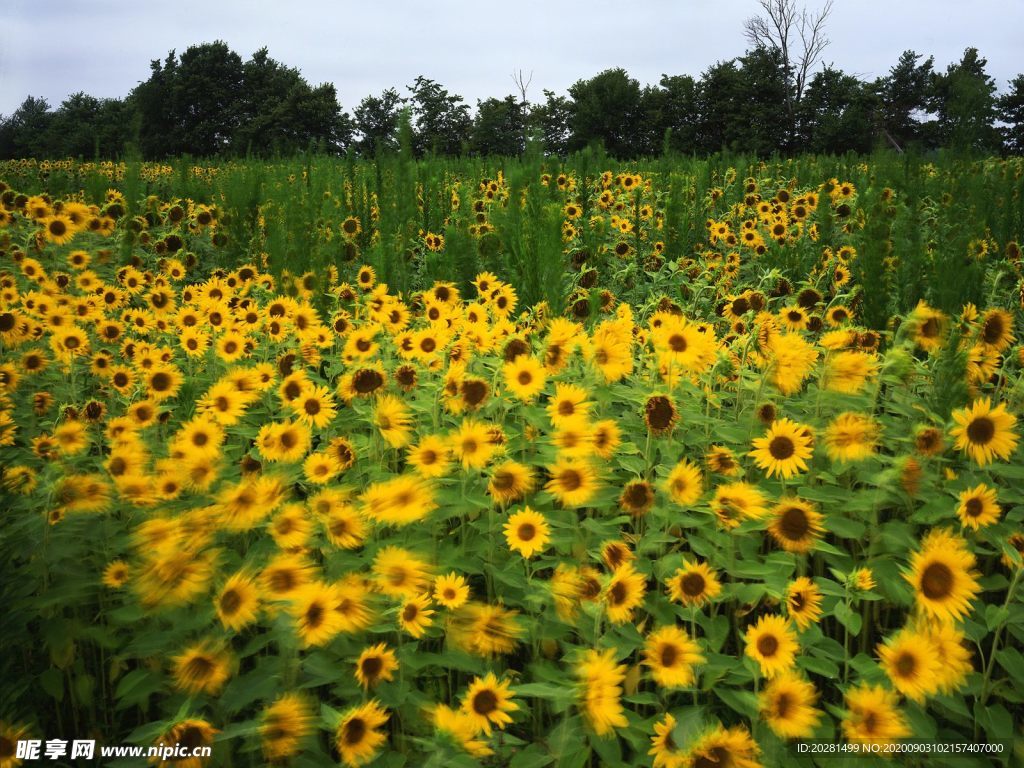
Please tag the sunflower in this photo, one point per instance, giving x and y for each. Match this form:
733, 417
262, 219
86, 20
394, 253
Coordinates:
953, 656
851, 437
672, 654
116, 574
978, 507
849, 371
734, 502
927, 327
733, 747
985, 433
286, 441
928, 441
366, 278
605, 438
694, 584
795, 525
803, 602
722, 461
997, 329
399, 573
872, 716
400, 501
460, 727
285, 575
488, 702
315, 407
660, 414
637, 498
685, 483
600, 690
451, 590
430, 457
787, 705
772, 644
509, 482
484, 630
356, 737
415, 615
201, 668
569, 401
375, 664
624, 593
909, 660
942, 576
572, 483
472, 445
784, 449
527, 532
667, 753
192, 734
316, 621
392, 419
284, 725
525, 377
238, 601
163, 382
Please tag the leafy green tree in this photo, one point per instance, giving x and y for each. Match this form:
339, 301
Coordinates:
279, 111
26, 132
499, 127
158, 123
672, 106
550, 121
964, 101
606, 109
441, 119
207, 97
720, 108
1011, 114
376, 123
836, 114
903, 98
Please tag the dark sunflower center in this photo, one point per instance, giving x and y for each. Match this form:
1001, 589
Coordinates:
973, 507
315, 615
367, 380
767, 645
660, 413
783, 703
716, 757
781, 448
993, 331
692, 584
410, 612
503, 481
937, 581
570, 480
981, 430
905, 665
669, 654
230, 602
527, 532
353, 731
677, 342
312, 406
485, 702
372, 666
618, 593
794, 524
199, 667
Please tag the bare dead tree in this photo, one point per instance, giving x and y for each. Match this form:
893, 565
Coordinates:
799, 37
522, 84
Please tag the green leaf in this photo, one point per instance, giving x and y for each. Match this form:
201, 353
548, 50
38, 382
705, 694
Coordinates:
849, 618
52, 682
743, 702
531, 757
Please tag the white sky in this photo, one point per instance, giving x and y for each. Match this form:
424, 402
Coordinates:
52, 48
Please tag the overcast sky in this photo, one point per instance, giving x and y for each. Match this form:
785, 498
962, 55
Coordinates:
52, 48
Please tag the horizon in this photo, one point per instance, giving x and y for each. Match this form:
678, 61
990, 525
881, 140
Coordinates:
35, 57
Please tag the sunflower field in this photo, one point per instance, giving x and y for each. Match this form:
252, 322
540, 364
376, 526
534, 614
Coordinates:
686, 464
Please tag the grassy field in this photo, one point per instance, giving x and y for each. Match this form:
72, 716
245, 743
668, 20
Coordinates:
685, 463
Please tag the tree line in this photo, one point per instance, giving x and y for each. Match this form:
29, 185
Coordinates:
210, 102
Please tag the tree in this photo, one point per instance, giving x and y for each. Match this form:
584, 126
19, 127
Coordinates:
206, 95
903, 96
550, 120
964, 100
499, 127
280, 111
606, 109
798, 36
836, 114
158, 122
1011, 113
376, 123
26, 132
719, 96
672, 106
442, 120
